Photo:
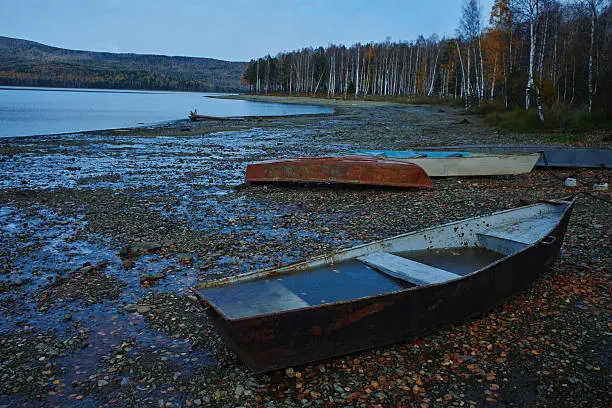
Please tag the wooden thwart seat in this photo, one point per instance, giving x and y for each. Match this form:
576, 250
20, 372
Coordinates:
405, 269
525, 232
500, 244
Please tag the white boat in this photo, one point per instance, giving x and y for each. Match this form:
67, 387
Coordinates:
445, 164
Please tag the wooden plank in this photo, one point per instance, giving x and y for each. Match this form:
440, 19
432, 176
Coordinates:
405, 269
526, 231
499, 244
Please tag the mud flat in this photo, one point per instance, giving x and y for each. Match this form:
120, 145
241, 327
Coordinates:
102, 233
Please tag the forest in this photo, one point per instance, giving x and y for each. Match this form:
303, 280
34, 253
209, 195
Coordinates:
537, 55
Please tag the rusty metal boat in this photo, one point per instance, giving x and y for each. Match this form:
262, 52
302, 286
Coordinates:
343, 170
385, 291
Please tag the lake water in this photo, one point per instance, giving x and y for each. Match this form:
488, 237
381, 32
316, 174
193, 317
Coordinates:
43, 111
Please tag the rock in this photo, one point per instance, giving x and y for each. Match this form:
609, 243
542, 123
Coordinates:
86, 269
139, 249
102, 383
124, 252
251, 383
185, 258
152, 278
131, 308
143, 309
239, 390
197, 402
144, 247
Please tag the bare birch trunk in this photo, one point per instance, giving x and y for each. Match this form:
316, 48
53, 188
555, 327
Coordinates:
494, 73
482, 83
357, 74
593, 20
468, 84
467, 104
433, 74
532, 44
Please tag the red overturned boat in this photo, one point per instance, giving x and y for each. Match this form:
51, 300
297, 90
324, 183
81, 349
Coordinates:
342, 170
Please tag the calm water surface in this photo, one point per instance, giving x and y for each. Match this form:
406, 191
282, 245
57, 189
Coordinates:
42, 111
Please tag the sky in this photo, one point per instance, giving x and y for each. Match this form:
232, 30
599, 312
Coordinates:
233, 30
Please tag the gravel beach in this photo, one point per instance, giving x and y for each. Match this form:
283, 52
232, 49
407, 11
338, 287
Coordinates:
102, 234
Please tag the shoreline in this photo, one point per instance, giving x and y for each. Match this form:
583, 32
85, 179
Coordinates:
102, 234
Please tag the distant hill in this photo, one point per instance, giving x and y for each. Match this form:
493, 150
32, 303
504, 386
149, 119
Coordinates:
28, 63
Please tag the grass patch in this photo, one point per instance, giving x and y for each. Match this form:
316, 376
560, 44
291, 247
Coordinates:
556, 119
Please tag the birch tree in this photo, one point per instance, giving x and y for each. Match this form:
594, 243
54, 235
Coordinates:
470, 29
530, 44
530, 11
593, 8
501, 28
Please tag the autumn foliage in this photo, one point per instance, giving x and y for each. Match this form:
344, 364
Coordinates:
478, 66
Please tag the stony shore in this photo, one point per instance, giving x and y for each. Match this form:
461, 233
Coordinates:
102, 234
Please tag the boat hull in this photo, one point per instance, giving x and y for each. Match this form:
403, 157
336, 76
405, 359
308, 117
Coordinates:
343, 170
467, 164
552, 156
289, 338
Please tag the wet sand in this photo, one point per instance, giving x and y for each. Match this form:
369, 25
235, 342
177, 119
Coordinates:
102, 233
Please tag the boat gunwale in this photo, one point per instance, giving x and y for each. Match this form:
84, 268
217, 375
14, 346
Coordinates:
568, 202
355, 157
473, 155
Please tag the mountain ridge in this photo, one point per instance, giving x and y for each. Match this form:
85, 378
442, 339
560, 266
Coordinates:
29, 63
